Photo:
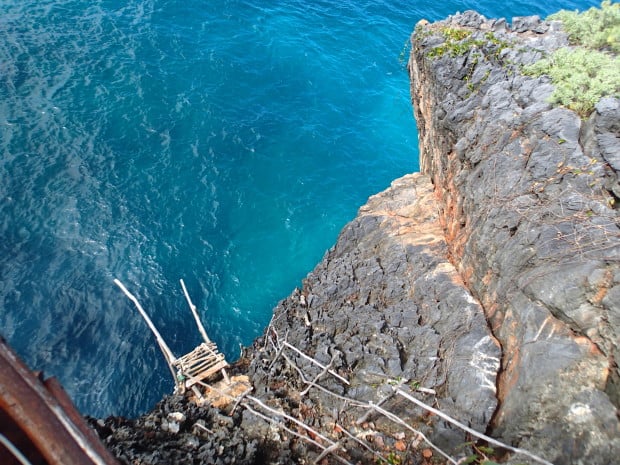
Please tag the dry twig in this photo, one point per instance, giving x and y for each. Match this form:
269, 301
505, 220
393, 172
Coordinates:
471, 431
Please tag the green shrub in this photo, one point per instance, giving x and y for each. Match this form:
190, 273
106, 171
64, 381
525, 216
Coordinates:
582, 75
457, 42
460, 41
596, 28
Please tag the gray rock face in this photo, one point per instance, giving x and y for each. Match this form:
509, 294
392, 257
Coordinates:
384, 310
600, 138
527, 196
388, 306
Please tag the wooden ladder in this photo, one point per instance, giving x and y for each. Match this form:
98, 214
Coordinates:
201, 363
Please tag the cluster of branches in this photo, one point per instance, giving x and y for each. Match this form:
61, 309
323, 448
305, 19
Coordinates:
343, 438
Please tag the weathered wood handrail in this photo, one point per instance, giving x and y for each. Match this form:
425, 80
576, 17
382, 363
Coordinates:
192, 307
168, 355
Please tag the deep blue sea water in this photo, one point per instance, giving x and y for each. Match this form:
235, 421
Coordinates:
225, 142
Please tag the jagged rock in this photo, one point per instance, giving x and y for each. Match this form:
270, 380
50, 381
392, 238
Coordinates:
529, 23
531, 228
388, 305
600, 138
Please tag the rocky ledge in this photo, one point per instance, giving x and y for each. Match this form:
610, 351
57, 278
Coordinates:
487, 288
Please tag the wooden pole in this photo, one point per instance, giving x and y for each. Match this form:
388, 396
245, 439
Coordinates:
201, 328
168, 355
192, 307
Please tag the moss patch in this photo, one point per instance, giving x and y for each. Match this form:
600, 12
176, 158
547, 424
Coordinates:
457, 42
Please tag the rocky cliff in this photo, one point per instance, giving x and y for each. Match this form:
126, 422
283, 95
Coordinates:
485, 290
526, 194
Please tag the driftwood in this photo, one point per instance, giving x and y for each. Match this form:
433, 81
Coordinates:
192, 307
168, 355
471, 431
331, 447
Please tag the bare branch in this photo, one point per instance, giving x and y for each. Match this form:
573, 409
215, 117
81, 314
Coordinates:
168, 355
400, 421
315, 362
358, 440
318, 386
203, 428
192, 307
290, 418
335, 446
280, 425
382, 401
471, 431
241, 396
316, 378
295, 433
279, 351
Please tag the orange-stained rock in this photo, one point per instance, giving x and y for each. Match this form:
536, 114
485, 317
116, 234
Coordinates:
526, 194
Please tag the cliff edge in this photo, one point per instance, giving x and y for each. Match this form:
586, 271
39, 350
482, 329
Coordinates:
480, 296
527, 201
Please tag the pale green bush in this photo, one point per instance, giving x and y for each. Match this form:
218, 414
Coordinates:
581, 77
583, 74
596, 28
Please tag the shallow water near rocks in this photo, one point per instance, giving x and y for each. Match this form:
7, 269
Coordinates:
222, 142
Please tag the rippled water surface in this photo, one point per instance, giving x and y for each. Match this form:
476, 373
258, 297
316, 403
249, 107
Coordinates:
223, 142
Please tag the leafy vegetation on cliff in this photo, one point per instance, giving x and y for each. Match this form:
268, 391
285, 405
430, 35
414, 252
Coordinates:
459, 41
596, 28
582, 75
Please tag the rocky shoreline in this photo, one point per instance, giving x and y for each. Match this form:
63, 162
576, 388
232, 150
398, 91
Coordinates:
487, 287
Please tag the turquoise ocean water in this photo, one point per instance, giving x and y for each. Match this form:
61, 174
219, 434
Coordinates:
222, 142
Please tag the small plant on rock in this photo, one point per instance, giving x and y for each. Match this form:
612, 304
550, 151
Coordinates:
457, 42
393, 459
481, 455
581, 77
